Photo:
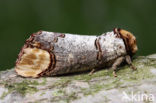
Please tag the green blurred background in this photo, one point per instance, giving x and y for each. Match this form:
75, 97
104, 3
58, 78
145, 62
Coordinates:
20, 18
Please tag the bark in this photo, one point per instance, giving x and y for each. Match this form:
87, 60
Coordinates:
67, 53
101, 87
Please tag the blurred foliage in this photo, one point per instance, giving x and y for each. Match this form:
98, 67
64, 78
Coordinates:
20, 18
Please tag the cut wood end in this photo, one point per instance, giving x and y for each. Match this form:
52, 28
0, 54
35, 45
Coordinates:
33, 62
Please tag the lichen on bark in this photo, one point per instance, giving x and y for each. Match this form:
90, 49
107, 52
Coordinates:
81, 88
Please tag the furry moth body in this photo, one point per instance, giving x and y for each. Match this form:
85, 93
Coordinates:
48, 53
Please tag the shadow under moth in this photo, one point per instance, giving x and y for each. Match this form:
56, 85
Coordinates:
50, 54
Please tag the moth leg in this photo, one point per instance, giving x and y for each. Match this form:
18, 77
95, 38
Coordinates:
129, 62
92, 71
117, 62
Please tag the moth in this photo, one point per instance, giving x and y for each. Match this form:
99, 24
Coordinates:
50, 53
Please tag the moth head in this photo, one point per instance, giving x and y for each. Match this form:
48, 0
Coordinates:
129, 40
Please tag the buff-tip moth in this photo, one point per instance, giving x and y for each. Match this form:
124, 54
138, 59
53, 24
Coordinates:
49, 53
